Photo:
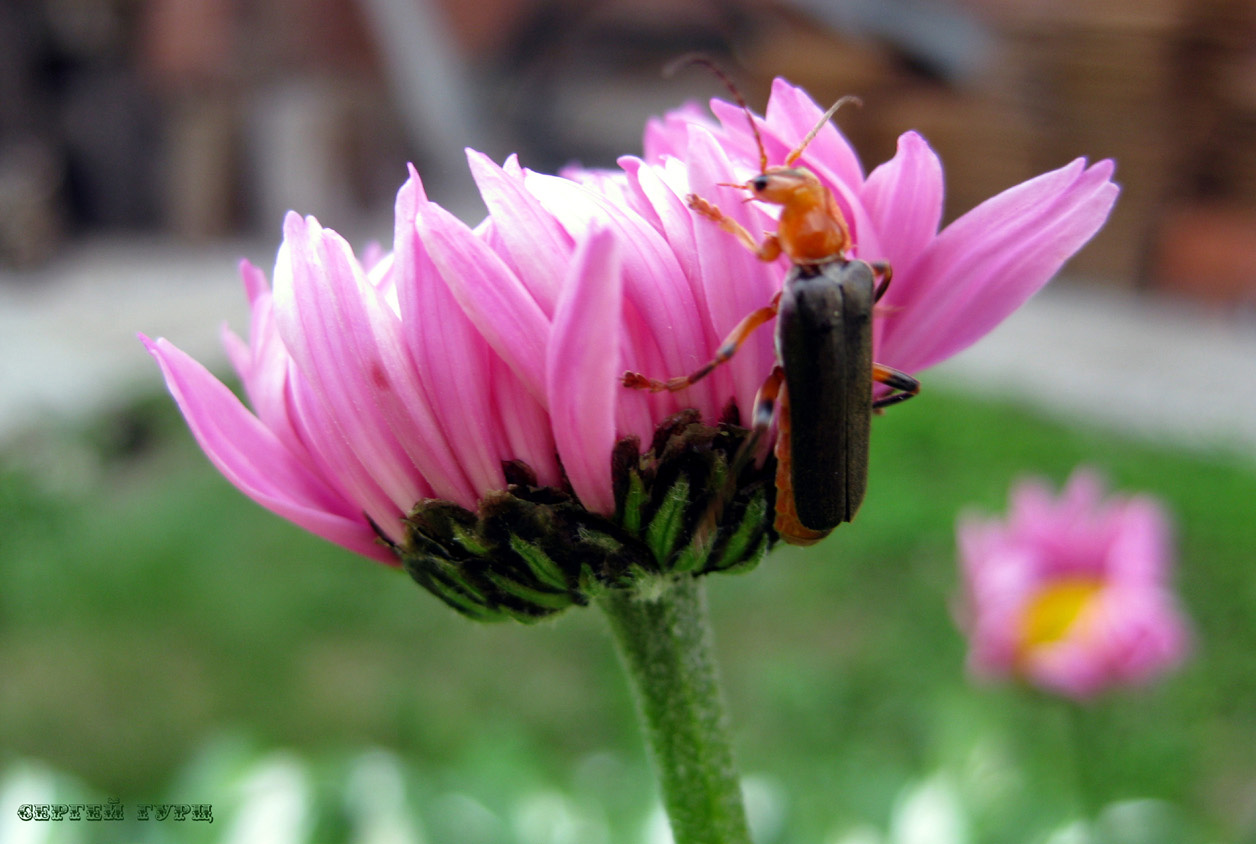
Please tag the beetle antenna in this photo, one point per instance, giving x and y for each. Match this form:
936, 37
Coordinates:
697, 58
815, 130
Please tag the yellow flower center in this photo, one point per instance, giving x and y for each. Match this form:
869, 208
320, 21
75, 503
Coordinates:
1051, 615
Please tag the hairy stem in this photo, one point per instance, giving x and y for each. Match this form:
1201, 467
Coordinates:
665, 642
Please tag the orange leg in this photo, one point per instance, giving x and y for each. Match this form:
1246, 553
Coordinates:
727, 349
882, 271
772, 399
768, 250
772, 389
905, 385
765, 400
761, 420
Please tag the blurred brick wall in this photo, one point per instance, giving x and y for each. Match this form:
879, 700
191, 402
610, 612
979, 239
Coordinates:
1165, 87
207, 116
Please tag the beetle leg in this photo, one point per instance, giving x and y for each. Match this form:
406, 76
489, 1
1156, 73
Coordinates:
727, 349
904, 385
765, 403
768, 250
883, 272
761, 421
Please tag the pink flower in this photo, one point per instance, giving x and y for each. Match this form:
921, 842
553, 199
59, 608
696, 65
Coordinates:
417, 375
1071, 594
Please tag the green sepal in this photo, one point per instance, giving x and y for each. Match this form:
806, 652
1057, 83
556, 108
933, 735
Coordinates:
538, 597
739, 554
457, 599
539, 563
633, 500
530, 551
664, 529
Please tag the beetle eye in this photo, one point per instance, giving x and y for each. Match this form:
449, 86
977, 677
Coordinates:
759, 183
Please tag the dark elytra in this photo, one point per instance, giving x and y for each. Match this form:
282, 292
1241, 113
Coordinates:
824, 341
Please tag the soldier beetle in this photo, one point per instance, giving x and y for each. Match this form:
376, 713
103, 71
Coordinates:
821, 387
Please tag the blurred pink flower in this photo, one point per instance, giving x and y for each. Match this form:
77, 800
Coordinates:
1071, 594
417, 374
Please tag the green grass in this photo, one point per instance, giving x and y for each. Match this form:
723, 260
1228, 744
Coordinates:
149, 609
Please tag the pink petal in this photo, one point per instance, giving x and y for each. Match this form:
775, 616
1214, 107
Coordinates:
668, 136
903, 198
451, 361
537, 245
1141, 550
490, 294
738, 141
238, 353
322, 316
611, 185
666, 211
1160, 641
1068, 668
267, 381
1083, 493
255, 286
664, 329
255, 461
528, 434
734, 280
791, 114
583, 369
986, 264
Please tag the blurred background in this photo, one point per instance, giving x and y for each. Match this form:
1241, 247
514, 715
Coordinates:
163, 639
204, 118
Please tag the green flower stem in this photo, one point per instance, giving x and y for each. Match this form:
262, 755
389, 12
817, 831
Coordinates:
665, 641
1083, 752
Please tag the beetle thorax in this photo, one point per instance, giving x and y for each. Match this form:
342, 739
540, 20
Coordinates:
811, 229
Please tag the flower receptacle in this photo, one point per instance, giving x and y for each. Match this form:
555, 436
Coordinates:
530, 551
